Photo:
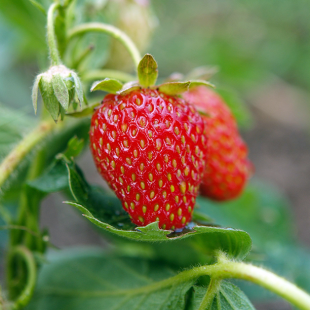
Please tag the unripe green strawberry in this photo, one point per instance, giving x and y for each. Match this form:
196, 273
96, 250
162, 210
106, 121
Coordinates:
151, 149
227, 166
58, 86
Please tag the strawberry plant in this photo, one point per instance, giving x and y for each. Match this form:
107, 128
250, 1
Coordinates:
184, 220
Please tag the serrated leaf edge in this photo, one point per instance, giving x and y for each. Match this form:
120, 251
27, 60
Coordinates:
196, 230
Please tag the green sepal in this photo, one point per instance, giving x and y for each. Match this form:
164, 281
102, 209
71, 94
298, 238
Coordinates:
78, 87
60, 90
35, 90
50, 101
108, 85
147, 71
174, 88
129, 87
195, 83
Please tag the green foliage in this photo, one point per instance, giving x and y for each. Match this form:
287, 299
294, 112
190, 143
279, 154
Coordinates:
236, 39
13, 125
228, 297
92, 279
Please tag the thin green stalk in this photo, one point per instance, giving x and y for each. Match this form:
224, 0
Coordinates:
212, 290
19, 227
87, 51
26, 294
23, 148
51, 37
102, 74
111, 30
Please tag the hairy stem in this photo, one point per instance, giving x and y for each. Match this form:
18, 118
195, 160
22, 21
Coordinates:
27, 291
111, 30
230, 269
219, 271
51, 37
113, 74
212, 290
23, 148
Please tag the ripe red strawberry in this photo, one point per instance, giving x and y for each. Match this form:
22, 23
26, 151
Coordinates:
150, 147
227, 167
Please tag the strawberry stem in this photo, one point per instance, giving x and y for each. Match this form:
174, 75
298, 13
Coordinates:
111, 30
23, 148
30, 263
227, 269
51, 37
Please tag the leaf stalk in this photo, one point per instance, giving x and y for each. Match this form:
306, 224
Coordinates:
111, 30
51, 37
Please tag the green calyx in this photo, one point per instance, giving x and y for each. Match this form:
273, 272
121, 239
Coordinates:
59, 87
147, 76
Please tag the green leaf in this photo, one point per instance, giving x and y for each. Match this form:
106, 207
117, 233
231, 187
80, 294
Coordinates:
14, 124
108, 85
147, 71
228, 297
90, 279
54, 178
89, 110
174, 88
35, 90
74, 148
60, 90
93, 202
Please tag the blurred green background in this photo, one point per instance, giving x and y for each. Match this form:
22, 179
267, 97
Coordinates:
261, 49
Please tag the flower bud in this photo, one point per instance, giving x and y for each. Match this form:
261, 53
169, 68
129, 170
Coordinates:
59, 87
